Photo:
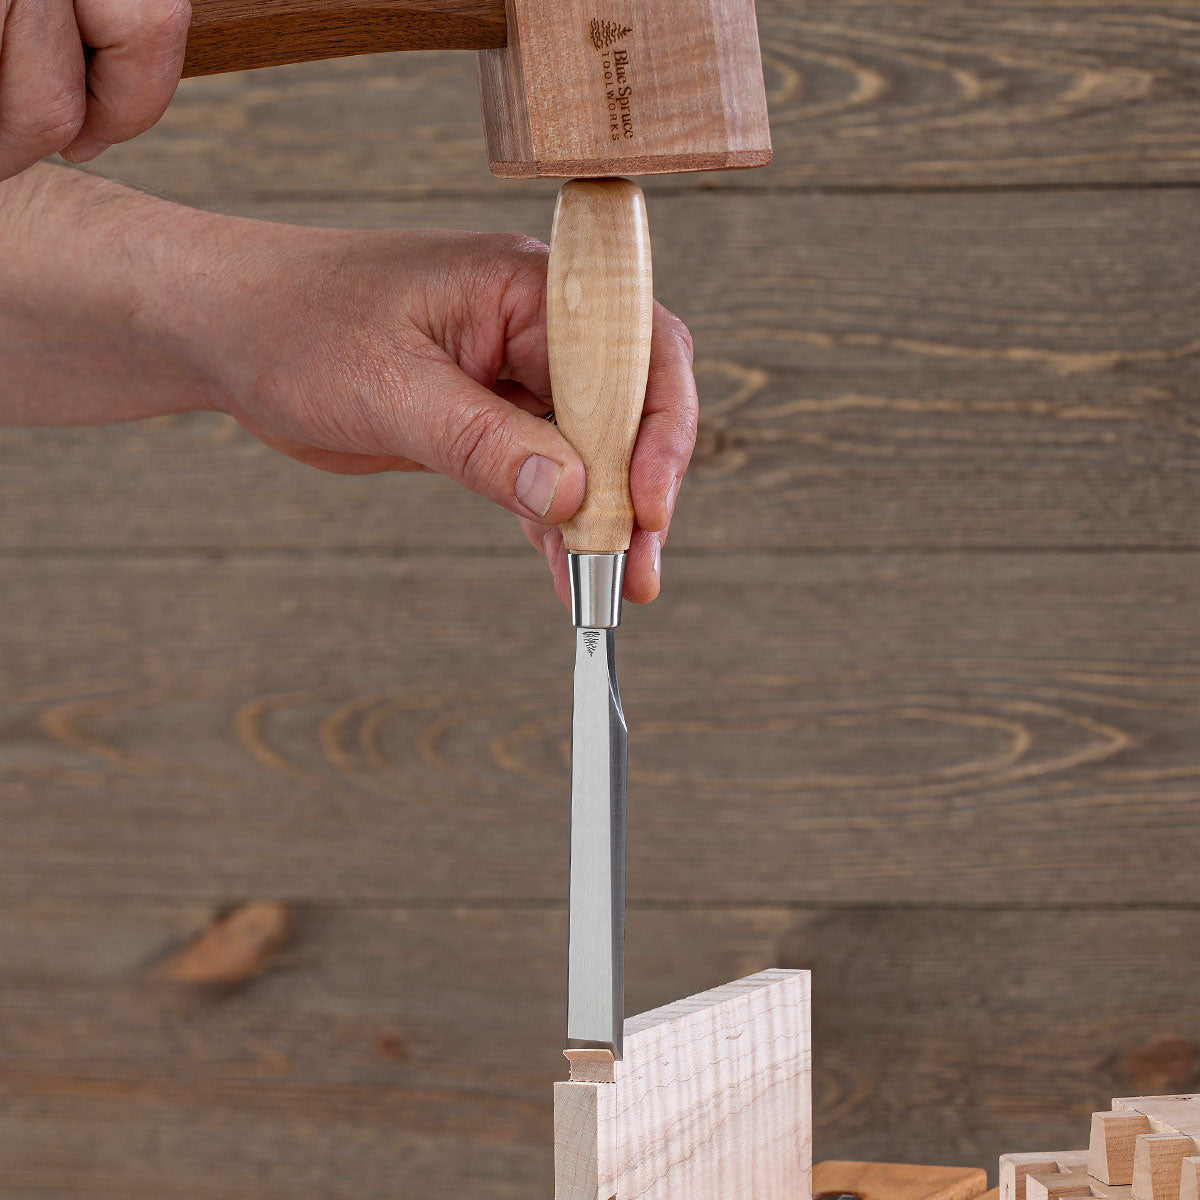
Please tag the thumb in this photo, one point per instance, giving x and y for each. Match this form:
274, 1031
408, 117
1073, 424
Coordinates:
491, 446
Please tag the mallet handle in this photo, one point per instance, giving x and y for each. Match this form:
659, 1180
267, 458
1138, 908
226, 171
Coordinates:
599, 316
235, 35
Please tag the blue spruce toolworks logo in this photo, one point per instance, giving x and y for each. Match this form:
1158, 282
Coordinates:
608, 33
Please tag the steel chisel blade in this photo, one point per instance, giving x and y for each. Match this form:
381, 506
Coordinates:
596, 949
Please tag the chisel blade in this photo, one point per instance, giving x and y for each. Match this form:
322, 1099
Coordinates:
596, 948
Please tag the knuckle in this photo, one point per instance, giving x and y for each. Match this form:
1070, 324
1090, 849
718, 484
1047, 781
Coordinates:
518, 258
166, 20
676, 328
686, 430
50, 126
683, 427
471, 452
522, 260
521, 245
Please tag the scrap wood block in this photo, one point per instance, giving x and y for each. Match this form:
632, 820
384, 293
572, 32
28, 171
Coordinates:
1189, 1181
1145, 1140
1016, 1169
711, 1099
896, 1181
1072, 1183
1158, 1165
1145, 1148
1110, 1151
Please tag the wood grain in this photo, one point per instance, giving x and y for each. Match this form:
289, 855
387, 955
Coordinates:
864, 94
712, 1096
378, 1052
599, 319
1111, 1145
165, 735
902, 372
239, 35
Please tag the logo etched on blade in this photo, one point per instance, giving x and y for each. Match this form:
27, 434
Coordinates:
591, 639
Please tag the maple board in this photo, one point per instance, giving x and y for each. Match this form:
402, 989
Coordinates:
711, 1098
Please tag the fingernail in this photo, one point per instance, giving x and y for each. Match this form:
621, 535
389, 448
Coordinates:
537, 481
84, 150
657, 555
671, 494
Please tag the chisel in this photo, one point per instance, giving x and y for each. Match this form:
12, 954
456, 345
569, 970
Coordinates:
599, 315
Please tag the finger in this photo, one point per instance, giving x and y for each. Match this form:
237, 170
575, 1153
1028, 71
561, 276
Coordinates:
556, 556
547, 540
643, 567
137, 59
42, 95
523, 311
667, 434
535, 532
466, 432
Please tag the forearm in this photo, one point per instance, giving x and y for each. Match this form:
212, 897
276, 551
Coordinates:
102, 302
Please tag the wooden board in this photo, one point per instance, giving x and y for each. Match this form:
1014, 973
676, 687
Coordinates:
863, 94
906, 372
711, 1096
925, 729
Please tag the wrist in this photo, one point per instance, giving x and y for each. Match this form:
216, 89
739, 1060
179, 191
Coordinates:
102, 302
175, 294
240, 301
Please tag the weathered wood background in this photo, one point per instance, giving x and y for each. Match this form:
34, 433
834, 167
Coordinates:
920, 708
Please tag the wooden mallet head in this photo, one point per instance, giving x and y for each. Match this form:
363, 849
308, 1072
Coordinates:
625, 87
568, 88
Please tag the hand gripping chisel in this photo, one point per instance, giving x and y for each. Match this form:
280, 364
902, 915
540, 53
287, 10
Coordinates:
599, 315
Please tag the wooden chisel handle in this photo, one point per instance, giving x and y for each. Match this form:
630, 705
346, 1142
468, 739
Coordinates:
599, 316
237, 35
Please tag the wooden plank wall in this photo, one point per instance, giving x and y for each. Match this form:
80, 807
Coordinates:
920, 708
